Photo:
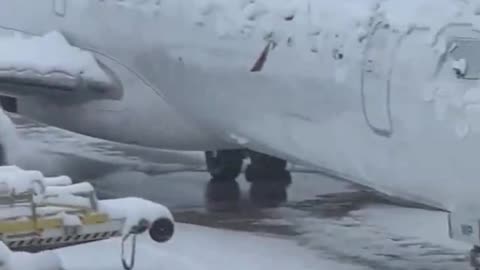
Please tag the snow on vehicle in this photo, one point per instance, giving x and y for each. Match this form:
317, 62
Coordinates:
40, 213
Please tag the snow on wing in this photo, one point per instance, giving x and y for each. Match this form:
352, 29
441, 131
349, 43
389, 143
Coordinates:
49, 65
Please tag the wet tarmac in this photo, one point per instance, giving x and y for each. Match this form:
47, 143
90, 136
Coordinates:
320, 213
195, 199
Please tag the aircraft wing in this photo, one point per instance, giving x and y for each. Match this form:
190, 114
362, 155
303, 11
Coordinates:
49, 66
35, 152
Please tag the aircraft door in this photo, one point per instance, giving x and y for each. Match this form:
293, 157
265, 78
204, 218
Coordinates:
378, 59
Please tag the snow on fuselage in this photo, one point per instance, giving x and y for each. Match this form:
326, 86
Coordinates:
122, 40
381, 92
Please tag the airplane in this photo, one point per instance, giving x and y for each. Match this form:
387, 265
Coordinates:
381, 93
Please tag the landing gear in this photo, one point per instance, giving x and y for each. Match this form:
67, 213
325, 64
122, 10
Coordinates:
3, 155
265, 168
224, 165
475, 257
222, 195
268, 176
270, 179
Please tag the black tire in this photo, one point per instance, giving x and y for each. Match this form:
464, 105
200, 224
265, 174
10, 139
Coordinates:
3, 155
266, 162
254, 175
264, 168
224, 165
222, 195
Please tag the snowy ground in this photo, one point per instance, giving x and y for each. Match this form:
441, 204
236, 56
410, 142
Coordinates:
199, 248
325, 224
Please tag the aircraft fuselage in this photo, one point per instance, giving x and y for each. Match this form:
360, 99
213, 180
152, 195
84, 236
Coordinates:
380, 92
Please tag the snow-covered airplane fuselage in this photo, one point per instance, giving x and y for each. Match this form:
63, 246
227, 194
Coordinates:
379, 92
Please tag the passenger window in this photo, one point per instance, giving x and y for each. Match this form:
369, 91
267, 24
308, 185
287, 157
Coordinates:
465, 51
60, 7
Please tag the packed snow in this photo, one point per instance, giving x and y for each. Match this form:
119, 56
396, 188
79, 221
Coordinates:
134, 209
63, 59
199, 248
46, 260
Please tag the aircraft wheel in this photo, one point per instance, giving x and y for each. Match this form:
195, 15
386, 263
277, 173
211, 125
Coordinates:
224, 165
3, 155
475, 257
265, 168
222, 195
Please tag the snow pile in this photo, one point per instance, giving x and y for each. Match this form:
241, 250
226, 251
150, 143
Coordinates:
14, 180
47, 55
47, 260
83, 187
46, 191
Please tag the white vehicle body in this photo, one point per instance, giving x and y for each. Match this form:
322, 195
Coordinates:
383, 93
